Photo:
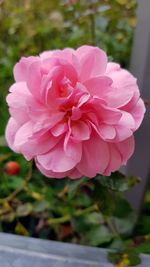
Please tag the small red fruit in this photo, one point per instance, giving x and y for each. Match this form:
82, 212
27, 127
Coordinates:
12, 168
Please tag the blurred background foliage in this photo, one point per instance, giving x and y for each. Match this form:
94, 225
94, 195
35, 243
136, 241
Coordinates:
28, 27
31, 204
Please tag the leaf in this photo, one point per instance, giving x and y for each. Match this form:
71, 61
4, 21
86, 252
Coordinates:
73, 186
21, 230
104, 199
36, 195
143, 226
122, 207
24, 210
118, 181
80, 225
94, 218
83, 200
8, 217
15, 182
7, 213
127, 258
41, 206
125, 225
117, 244
98, 235
144, 248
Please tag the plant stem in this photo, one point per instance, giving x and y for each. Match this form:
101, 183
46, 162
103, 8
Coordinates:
112, 226
68, 217
60, 220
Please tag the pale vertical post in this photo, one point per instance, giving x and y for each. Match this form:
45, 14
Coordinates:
140, 67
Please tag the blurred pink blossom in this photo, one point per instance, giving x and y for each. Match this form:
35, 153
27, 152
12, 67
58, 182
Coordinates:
73, 112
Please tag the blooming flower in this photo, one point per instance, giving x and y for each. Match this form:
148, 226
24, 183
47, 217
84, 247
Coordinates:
73, 112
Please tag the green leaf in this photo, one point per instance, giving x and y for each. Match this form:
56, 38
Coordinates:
143, 226
122, 207
94, 218
98, 236
80, 226
125, 225
117, 244
144, 248
74, 185
15, 182
128, 258
104, 199
40, 206
83, 200
118, 181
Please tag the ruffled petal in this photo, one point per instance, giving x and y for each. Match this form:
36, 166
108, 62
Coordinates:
123, 87
95, 156
98, 86
138, 112
17, 101
57, 160
115, 161
10, 133
31, 145
21, 68
50, 173
80, 130
126, 149
34, 78
93, 62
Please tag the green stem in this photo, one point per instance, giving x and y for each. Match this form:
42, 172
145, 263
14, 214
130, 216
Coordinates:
68, 217
87, 210
112, 227
60, 220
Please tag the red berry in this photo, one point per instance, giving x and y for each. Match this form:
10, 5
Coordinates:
12, 168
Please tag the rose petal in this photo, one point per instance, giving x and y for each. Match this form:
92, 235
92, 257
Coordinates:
56, 160
21, 68
93, 62
95, 156
98, 86
80, 130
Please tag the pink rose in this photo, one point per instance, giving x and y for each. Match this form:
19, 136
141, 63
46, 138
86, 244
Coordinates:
73, 112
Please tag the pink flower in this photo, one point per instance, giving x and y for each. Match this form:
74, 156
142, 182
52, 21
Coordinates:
73, 112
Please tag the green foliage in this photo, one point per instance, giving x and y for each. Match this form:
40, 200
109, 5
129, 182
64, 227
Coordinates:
92, 211
104, 199
127, 258
118, 182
